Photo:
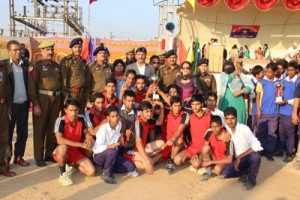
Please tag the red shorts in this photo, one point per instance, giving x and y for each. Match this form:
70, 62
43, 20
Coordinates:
130, 154
192, 150
166, 152
73, 155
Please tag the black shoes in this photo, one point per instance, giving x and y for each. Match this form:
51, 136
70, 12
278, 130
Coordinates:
108, 179
269, 157
50, 159
40, 163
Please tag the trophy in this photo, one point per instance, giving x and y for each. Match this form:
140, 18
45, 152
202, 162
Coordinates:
279, 90
154, 80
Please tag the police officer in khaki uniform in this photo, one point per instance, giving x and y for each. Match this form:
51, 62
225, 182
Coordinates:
75, 75
168, 73
100, 70
130, 56
5, 107
44, 88
204, 81
162, 56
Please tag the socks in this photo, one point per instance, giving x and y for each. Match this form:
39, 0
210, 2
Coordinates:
62, 169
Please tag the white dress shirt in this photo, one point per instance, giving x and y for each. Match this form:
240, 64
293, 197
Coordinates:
106, 136
141, 68
244, 139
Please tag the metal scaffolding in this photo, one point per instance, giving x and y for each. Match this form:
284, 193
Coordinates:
61, 13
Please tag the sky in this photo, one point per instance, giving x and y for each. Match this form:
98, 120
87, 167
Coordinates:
134, 19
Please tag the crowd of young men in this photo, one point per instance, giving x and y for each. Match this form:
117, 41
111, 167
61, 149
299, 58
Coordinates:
117, 125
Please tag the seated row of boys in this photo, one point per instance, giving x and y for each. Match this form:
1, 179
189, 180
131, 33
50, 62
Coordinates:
125, 129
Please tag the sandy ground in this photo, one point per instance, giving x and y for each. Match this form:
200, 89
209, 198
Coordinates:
276, 181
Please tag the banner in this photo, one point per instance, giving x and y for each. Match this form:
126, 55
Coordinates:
244, 31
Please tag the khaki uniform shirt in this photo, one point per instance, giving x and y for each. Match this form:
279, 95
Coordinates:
167, 76
99, 74
5, 89
210, 81
43, 75
74, 72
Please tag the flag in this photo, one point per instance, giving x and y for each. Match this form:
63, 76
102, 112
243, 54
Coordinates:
190, 56
92, 47
196, 54
91, 1
192, 3
183, 53
85, 48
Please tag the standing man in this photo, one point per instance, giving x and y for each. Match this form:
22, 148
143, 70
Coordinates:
100, 70
141, 67
5, 104
168, 72
130, 56
75, 75
291, 52
44, 88
18, 75
162, 56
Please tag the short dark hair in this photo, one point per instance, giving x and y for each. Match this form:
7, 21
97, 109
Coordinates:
211, 94
145, 105
176, 99
111, 80
153, 57
173, 86
197, 97
140, 76
111, 109
72, 102
116, 62
230, 111
130, 71
272, 66
129, 93
256, 70
283, 63
141, 49
294, 64
216, 119
11, 42
97, 95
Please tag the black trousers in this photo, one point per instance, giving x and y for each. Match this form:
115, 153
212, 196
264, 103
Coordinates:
20, 118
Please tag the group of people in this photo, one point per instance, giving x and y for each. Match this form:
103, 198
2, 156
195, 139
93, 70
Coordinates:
133, 114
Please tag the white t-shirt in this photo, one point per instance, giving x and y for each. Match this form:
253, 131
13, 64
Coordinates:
291, 51
141, 68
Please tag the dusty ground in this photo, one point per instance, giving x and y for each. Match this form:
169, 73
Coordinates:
276, 181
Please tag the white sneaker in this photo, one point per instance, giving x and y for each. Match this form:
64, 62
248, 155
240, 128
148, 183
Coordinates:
201, 170
65, 180
192, 169
133, 174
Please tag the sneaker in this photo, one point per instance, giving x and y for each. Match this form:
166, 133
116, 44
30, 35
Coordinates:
65, 179
69, 170
133, 174
192, 169
243, 178
201, 170
170, 168
108, 179
206, 176
278, 154
248, 185
269, 157
288, 159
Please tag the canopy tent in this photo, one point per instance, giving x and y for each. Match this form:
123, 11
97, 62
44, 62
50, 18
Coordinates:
278, 25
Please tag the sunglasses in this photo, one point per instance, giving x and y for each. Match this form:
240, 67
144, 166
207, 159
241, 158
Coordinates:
155, 63
186, 68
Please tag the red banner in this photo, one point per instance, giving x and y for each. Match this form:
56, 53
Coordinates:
238, 31
292, 4
265, 5
236, 4
208, 3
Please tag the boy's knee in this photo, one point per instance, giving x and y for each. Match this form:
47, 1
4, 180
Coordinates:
205, 149
91, 171
61, 149
178, 160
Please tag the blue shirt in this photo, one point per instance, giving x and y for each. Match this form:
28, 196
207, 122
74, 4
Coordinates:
289, 87
268, 93
119, 88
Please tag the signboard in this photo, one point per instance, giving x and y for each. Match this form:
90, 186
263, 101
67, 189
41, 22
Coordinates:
243, 31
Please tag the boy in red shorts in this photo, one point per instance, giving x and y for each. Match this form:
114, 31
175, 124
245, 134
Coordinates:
175, 123
199, 123
217, 152
70, 130
136, 148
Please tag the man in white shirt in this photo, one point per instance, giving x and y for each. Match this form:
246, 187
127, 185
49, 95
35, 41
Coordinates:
291, 52
246, 146
108, 139
211, 104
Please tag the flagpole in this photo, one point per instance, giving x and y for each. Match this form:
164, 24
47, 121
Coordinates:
89, 20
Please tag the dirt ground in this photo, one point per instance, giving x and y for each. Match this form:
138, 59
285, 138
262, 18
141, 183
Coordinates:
276, 181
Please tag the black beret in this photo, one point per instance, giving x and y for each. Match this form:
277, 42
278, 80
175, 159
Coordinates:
202, 61
75, 41
100, 48
228, 62
170, 53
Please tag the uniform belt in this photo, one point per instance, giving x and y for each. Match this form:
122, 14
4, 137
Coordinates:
2, 101
76, 90
50, 93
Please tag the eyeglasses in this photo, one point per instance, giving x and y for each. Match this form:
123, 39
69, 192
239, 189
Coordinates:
155, 63
186, 68
15, 50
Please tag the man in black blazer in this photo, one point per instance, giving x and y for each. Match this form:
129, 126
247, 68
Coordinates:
140, 66
18, 74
